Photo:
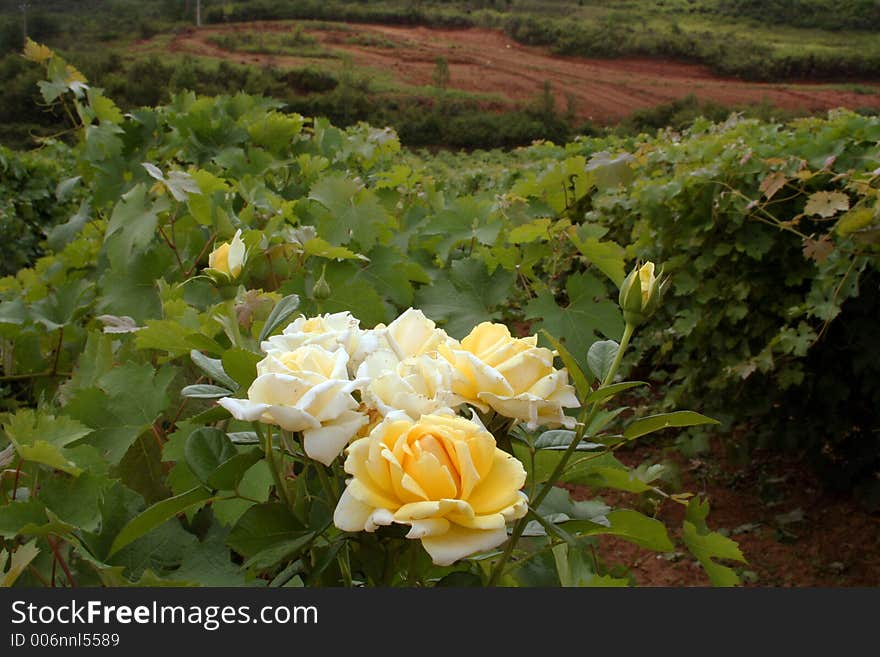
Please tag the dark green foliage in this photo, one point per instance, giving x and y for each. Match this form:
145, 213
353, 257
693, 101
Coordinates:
29, 207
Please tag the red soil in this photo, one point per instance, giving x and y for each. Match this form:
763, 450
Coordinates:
489, 62
793, 532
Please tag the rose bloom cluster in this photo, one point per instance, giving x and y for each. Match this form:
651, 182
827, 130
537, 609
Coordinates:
400, 398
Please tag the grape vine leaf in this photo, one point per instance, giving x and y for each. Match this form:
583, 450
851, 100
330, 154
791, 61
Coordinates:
588, 313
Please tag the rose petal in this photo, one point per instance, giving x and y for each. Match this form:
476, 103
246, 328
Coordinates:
351, 515
326, 442
458, 542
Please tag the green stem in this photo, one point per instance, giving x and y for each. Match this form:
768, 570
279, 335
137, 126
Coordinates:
412, 578
329, 488
276, 475
583, 425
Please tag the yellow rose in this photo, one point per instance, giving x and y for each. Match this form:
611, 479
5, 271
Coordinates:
307, 390
229, 257
513, 376
442, 475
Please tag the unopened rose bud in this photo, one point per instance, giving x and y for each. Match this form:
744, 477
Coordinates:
321, 289
640, 294
227, 260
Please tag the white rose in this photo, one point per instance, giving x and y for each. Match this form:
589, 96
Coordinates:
306, 389
329, 331
411, 334
417, 385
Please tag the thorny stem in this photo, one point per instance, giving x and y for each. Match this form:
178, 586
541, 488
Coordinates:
583, 424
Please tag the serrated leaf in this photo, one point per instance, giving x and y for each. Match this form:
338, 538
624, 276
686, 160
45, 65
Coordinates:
826, 204
856, 219
468, 296
654, 423
707, 545
21, 558
537, 229
588, 312
772, 183
629, 525
819, 249
134, 221
608, 257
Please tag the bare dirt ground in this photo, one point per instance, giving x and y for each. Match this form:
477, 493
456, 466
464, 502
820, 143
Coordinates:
487, 61
793, 532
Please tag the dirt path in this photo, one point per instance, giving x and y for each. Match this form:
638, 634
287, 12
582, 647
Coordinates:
487, 61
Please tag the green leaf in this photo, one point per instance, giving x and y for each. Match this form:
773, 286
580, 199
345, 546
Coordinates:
654, 423
75, 500
463, 222
142, 470
282, 310
262, 527
536, 229
16, 517
229, 473
241, 365
41, 438
21, 558
157, 514
210, 563
629, 525
205, 450
608, 257
600, 357
561, 439
133, 222
607, 392
707, 545
213, 367
581, 383
280, 552
204, 391
576, 325
468, 296
124, 404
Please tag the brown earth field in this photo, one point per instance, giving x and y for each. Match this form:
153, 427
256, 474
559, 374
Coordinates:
792, 531
488, 62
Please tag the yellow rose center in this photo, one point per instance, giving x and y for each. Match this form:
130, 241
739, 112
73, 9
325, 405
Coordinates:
313, 325
302, 360
426, 460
